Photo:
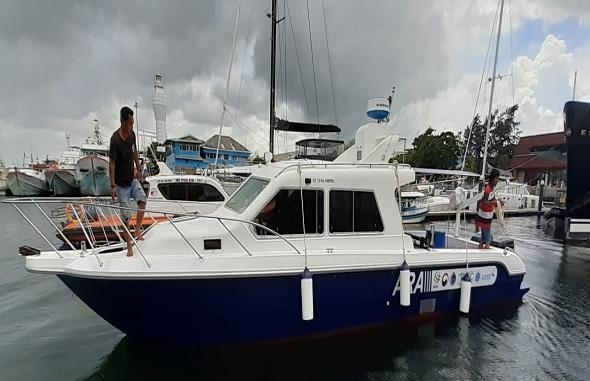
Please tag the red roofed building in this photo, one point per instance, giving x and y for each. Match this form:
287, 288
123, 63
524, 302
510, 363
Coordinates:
537, 155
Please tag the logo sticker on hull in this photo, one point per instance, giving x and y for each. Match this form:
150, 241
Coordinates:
448, 279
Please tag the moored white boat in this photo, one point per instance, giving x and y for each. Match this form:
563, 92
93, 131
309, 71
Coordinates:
26, 182
64, 183
61, 180
413, 208
184, 193
224, 279
92, 169
3, 172
92, 174
238, 275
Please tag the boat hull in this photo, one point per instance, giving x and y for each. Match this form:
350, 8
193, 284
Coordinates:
65, 184
210, 311
23, 184
414, 215
92, 173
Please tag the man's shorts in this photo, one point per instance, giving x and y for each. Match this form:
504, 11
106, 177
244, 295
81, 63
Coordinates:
125, 194
486, 235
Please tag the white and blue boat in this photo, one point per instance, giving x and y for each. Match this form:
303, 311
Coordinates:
413, 209
302, 249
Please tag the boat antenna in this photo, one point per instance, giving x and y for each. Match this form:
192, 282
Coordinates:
485, 150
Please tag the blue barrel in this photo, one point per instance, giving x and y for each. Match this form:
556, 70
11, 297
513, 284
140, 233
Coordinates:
439, 240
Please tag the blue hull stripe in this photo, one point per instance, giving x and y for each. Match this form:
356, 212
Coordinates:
245, 310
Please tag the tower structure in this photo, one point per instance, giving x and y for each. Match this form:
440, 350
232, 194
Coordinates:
159, 104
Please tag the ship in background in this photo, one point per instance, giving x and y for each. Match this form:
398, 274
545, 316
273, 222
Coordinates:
92, 170
62, 180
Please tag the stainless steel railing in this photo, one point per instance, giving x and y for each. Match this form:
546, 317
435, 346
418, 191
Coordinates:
106, 223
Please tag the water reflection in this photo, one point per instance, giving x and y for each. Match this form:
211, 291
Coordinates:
386, 353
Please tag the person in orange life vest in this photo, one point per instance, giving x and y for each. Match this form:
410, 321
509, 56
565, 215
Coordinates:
485, 212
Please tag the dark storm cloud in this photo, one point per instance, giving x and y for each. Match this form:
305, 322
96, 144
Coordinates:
372, 46
66, 62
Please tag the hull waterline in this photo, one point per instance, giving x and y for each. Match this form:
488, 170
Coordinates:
266, 309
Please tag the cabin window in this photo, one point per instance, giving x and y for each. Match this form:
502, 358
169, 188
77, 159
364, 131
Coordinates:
354, 211
283, 213
242, 198
190, 192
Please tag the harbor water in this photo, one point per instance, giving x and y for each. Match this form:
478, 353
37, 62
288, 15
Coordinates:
47, 333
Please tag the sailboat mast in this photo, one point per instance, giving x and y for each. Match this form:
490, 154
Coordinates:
485, 150
273, 44
574, 91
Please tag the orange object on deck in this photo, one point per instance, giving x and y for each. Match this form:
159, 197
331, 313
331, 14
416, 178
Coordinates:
74, 232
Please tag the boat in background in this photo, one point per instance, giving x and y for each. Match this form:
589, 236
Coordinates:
184, 193
413, 208
26, 182
62, 180
3, 172
517, 196
92, 170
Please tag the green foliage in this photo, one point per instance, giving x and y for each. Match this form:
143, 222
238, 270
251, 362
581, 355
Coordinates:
504, 135
152, 160
433, 150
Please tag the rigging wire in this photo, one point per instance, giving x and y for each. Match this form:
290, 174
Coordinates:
244, 125
231, 61
329, 63
285, 60
298, 62
285, 71
480, 85
315, 88
244, 62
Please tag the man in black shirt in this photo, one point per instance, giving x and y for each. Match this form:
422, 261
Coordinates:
125, 183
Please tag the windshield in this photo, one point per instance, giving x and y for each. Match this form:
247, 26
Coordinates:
240, 200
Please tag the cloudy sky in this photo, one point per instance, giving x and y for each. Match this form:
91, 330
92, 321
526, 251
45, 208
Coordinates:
67, 63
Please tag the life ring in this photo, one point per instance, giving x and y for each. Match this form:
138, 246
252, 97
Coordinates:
69, 211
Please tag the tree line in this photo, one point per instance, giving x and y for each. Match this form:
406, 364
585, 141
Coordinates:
445, 150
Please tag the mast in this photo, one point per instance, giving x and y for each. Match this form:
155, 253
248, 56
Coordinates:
574, 91
485, 151
273, 52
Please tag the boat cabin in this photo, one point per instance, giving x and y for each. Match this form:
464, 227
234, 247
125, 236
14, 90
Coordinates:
339, 201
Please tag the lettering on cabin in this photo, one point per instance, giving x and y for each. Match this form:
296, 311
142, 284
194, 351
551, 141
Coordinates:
180, 180
322, 181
